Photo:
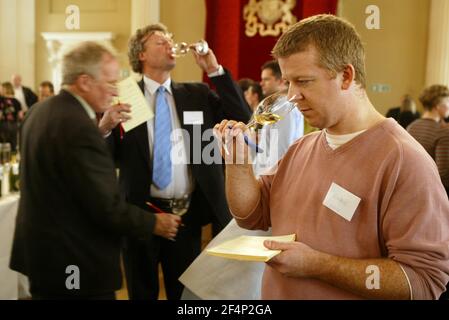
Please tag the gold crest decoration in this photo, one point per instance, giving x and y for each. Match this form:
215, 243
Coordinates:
268, 17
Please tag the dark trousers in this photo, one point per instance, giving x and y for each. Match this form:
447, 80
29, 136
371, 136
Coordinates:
45, 296
141, 260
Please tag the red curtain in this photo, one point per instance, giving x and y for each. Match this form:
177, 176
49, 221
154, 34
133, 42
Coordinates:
243, 55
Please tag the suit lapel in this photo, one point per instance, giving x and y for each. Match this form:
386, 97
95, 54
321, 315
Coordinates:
181, 96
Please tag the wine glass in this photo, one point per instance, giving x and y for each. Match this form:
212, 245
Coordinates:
181, 206
182, 48
269, 111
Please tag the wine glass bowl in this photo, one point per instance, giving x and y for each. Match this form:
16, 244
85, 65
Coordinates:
271, 110
180, 206
180, 49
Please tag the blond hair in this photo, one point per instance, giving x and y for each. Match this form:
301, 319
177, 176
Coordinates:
8, 89
85, 58
432, 96
336, 40
408, 104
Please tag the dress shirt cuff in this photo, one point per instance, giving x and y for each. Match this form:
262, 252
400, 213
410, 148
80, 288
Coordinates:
217, 73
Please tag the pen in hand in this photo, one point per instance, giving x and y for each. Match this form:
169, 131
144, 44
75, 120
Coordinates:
152, 206
250, 143
159, 210
122, 131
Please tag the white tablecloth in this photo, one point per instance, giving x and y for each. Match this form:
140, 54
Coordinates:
9, 280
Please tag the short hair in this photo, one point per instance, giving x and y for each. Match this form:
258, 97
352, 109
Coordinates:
336, 40
8, 88
85, 58
49, 85
257, 89
245, 83
137, 42
273, 65
432, 96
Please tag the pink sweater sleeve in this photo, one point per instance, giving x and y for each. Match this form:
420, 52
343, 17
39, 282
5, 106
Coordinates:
416, 233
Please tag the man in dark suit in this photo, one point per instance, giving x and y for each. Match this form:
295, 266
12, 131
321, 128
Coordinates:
25, 95
194, 108
71, 214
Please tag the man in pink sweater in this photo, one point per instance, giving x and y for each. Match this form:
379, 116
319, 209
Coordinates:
364, 199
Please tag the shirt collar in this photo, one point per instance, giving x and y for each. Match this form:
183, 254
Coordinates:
90, 112
152, 85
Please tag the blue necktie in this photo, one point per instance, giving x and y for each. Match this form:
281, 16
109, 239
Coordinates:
162, 166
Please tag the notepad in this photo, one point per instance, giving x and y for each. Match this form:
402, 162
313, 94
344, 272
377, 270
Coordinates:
130, 93
248, 248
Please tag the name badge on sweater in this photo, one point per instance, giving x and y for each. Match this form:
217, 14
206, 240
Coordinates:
193, 117
341, 201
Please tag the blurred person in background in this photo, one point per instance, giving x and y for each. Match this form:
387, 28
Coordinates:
46, 90
431, 131
25, 95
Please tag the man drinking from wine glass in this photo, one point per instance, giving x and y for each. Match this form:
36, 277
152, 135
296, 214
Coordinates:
149, 174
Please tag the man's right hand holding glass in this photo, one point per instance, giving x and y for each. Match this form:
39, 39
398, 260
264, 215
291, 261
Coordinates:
167, 225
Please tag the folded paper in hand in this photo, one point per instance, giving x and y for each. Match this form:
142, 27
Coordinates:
130, 93
248, 248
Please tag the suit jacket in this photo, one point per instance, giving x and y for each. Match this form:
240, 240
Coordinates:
30, 96
132, 153
70, 210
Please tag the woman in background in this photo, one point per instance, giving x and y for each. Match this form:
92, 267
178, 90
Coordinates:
431, 132
10, 114
408, 112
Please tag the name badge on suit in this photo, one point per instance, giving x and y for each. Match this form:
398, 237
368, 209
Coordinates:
193, 118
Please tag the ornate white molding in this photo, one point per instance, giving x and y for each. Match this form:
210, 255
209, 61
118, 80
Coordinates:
58, 42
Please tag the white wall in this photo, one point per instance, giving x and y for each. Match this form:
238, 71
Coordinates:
17, 39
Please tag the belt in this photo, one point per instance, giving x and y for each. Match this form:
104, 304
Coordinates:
174, 205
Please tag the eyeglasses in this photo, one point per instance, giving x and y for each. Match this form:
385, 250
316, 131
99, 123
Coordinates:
111, 85
165, 38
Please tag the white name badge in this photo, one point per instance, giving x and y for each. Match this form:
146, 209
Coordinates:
193, 117
341, 201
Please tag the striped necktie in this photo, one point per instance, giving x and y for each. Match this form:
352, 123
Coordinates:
162, 165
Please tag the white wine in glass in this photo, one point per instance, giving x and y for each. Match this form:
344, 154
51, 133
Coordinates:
271, 110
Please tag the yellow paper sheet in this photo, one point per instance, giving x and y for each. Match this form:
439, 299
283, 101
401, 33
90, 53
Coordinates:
130, 93
248, 248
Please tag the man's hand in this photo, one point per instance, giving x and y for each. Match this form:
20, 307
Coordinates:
21, 115
299, 260
116, 114
230, 135
296, 259
208, 63
167, 225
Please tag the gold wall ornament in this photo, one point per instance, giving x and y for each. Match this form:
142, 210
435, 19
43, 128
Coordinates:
261, 16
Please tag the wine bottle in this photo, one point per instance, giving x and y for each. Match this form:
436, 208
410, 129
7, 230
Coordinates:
14, 176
